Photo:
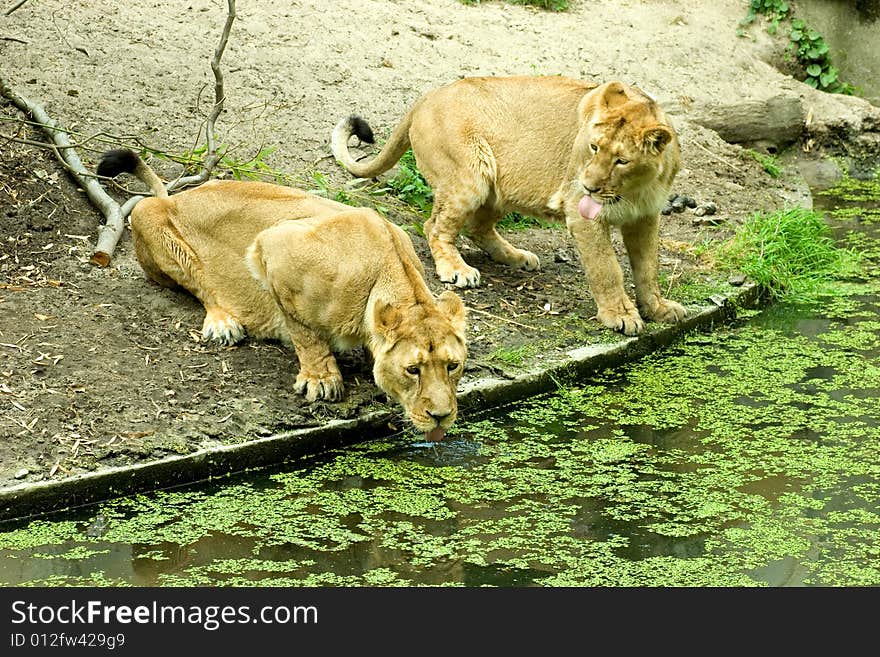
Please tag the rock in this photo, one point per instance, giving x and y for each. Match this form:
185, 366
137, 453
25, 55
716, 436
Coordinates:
737, 280
777, 119
21, 474
819, 174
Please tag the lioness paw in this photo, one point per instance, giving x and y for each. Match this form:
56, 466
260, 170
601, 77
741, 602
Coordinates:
628, 323
528, 260
668, 311
464, 276
313, 388
222, 328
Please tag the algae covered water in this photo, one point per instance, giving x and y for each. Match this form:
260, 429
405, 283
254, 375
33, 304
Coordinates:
745, 457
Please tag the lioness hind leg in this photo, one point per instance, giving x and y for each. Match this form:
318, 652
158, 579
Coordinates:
169, 260
484, 234
442, 229
641, 241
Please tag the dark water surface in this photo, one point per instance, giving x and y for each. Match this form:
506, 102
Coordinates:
745, 457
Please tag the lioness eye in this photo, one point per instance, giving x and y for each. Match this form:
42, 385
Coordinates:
594, 148
621, 161
452, 367
412, 369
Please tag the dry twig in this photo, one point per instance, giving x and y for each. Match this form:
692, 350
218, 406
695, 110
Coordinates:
211, 156
503, 319
14, 7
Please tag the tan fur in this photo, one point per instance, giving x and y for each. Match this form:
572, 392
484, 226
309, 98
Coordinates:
538, 145
279, 263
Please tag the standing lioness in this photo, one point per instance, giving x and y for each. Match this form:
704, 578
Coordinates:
594, 155
280, 263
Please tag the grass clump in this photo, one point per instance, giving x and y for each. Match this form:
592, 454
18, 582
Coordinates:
410, 186
769, 162
791, 253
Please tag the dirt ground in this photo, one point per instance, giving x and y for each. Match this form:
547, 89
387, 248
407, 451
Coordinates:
99, 367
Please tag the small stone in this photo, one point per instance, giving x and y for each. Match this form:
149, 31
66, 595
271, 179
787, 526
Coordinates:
690, 202
672, 197
21, 474
737, 280
667, 209
561, 256
700, 211
678, 205
711, 208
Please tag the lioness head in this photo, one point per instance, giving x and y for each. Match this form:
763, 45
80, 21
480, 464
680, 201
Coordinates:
626, 154
421, 359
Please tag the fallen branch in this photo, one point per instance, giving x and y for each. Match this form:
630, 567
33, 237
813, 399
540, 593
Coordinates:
114, 213
111, 231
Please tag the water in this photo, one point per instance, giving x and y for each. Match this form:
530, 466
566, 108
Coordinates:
745, 457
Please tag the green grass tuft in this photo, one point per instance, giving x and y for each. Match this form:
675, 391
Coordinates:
791, 253
769, 162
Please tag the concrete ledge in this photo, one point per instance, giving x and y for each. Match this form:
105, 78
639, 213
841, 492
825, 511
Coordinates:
33, 499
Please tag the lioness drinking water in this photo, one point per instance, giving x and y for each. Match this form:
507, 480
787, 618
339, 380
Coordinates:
280, 263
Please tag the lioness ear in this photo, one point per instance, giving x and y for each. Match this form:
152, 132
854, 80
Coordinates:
614, 95
386, 318
453, 309
655, 138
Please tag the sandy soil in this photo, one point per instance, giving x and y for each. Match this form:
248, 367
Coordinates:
99, 367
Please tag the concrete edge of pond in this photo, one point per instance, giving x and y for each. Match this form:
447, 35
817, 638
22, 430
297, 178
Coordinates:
28, 500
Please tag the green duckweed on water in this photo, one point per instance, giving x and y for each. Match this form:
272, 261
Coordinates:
745, 457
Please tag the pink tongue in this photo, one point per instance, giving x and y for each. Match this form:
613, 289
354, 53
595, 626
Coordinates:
589, 208
435, 434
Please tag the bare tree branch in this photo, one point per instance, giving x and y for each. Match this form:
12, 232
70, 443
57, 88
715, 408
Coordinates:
211, 156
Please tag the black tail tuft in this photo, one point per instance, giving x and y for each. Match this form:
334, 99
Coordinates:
121, 160
361, 129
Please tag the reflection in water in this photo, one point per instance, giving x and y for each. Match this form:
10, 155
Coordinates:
745, 457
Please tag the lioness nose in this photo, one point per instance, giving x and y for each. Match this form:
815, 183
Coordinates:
439, 416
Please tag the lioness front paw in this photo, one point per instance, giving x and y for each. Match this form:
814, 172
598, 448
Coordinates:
222, 327
666, 311
327, 387
527, 260
461, 276
627, 322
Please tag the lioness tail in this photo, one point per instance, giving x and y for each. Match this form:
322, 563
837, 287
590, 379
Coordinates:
123, 160
393, 150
